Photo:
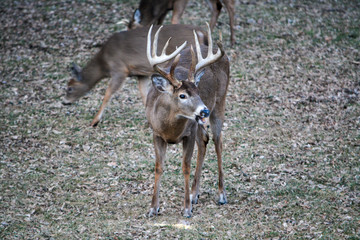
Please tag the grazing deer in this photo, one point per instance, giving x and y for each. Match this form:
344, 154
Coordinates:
154, 12
178, 104
123, 55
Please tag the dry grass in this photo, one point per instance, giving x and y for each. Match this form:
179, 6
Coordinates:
291, 138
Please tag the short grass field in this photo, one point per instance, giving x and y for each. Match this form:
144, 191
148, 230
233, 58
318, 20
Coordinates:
291, 134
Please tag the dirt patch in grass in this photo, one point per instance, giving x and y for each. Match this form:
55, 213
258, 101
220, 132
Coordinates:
291, 135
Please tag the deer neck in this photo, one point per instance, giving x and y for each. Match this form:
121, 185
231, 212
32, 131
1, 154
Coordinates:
167, 122
93, 72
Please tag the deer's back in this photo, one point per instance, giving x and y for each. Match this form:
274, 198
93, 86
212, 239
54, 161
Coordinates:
128, 49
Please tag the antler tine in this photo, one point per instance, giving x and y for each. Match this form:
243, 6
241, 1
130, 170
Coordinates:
155, 60
210, 48
197, 47
192, 66
148, 46
210, 58
173, 66
155, 42
151, 51
165, 47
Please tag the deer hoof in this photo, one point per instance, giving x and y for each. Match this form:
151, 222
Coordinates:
95, 123
222, 199
66, 103
187, 213
153, 212
194, 198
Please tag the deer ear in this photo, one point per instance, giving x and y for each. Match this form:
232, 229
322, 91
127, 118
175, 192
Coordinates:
162, 84
198, 77
137, 16
76, 70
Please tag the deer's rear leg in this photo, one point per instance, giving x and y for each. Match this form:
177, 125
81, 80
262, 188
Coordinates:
230, 6
116, 82
215, 7
178, 10
202, 140
160, 151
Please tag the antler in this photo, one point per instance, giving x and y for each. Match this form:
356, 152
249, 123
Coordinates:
155, 60
209, 59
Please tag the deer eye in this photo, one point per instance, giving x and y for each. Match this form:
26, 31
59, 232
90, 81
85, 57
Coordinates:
182, 96
70, 89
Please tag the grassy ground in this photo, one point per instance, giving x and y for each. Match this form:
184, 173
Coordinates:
291, 136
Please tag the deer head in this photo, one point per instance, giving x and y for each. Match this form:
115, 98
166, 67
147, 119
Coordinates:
75, 88
183, 94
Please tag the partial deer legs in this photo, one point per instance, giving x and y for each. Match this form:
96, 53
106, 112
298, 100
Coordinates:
116, 82
160, 152
202, 140
216, 7
179, 7
230, 6
144, 86
188, 149
216, 126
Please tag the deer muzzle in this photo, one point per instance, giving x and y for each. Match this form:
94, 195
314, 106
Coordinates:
65, 101
204, 113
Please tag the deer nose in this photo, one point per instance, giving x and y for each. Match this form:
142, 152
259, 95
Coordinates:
204, 113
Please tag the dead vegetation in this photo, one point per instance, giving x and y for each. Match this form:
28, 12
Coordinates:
291, 138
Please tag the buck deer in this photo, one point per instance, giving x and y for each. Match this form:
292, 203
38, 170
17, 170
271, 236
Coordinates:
123, 55
154, 12
178, 104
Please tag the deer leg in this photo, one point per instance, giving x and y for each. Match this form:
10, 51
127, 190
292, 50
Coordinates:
115, 83
215, 7
216, 127
202, 140
230, 6
160, 152
178, 10
144, 86
188, 148
161, 18
218, 149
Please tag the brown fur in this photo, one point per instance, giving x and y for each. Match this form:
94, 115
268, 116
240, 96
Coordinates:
124, 55
154, 12
165, 111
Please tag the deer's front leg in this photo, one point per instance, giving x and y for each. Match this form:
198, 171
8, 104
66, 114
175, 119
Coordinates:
202, 140
116, 82
216, 125
144, 86
188, 148
160, 152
